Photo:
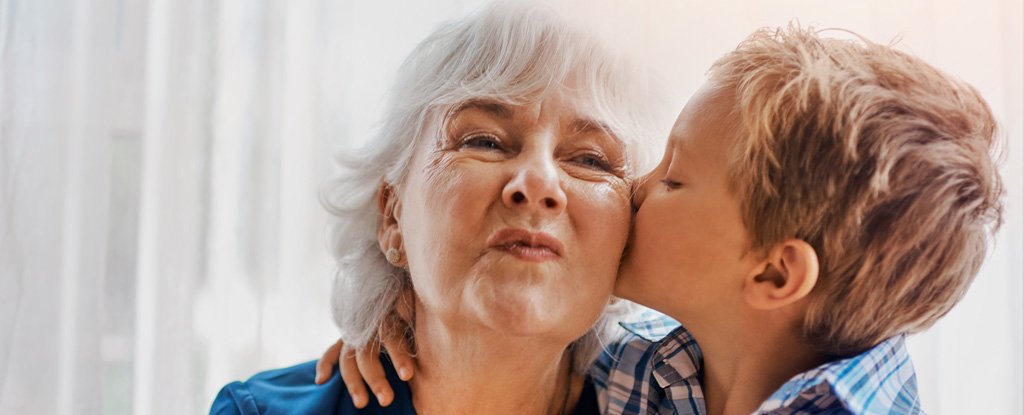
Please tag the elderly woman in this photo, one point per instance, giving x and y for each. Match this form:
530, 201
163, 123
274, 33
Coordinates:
507, 134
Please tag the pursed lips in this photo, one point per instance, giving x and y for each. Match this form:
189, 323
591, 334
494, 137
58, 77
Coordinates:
526, 245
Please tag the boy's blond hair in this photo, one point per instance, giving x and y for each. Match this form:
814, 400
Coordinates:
879, 161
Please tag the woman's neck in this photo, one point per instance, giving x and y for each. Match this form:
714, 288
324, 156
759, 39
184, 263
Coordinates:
472, 370
745, 362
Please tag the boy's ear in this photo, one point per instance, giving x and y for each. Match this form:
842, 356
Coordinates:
787, 275
389, 235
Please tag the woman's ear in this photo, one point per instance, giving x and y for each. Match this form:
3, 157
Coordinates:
787, 275
389, 235
388, 201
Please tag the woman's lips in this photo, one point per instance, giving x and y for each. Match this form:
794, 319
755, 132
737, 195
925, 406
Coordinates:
526, 245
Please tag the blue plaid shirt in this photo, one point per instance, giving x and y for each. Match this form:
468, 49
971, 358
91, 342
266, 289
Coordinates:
657, 367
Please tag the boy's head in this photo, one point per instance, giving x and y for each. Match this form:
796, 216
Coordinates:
861, 176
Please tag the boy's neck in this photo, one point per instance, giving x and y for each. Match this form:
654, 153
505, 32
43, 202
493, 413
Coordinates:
746, 361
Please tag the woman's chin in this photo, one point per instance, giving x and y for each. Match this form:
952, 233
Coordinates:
539, 315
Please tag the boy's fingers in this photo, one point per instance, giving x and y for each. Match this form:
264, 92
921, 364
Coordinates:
372, 371
353, 380
325, 365
395, 328
401, 356
405, 307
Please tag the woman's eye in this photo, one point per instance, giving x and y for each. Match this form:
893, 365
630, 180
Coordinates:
593, 161
671, 184
486, 142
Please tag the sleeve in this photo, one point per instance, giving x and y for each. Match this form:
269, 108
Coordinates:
234, 399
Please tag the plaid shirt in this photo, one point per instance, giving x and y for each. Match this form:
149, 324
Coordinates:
657, 368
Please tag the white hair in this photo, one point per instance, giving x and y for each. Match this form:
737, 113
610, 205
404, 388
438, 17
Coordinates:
511, 53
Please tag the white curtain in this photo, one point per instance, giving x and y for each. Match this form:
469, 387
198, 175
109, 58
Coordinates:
159, 228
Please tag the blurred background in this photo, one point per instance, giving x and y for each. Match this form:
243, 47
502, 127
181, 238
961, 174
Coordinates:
160, 233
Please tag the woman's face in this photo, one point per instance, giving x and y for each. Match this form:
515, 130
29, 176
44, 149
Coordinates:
515, 218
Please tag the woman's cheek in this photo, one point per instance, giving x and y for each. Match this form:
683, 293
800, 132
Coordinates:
607, 210
458, 184
602, 223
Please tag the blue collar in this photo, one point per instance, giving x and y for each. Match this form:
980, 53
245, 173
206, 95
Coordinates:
879, 380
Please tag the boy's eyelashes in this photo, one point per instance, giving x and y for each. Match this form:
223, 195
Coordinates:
671, 184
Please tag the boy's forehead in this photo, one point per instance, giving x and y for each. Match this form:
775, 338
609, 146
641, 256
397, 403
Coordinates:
707, 118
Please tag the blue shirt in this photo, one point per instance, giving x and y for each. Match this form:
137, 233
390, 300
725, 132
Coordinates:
292, 391
657, 369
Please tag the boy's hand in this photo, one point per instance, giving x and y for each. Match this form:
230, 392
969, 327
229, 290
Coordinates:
357, 366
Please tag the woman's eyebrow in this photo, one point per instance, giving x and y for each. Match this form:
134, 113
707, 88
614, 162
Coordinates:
495, 108
589, 125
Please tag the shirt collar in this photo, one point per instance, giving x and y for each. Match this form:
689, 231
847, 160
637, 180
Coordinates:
879, 380
650, 325
676, 357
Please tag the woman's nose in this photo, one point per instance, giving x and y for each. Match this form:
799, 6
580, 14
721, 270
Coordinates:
537, 188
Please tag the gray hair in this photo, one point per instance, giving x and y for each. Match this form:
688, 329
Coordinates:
511, 53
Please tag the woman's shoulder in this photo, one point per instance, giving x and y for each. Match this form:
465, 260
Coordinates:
292, 390
286, 390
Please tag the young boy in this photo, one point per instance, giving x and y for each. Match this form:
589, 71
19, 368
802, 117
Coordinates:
819, 199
